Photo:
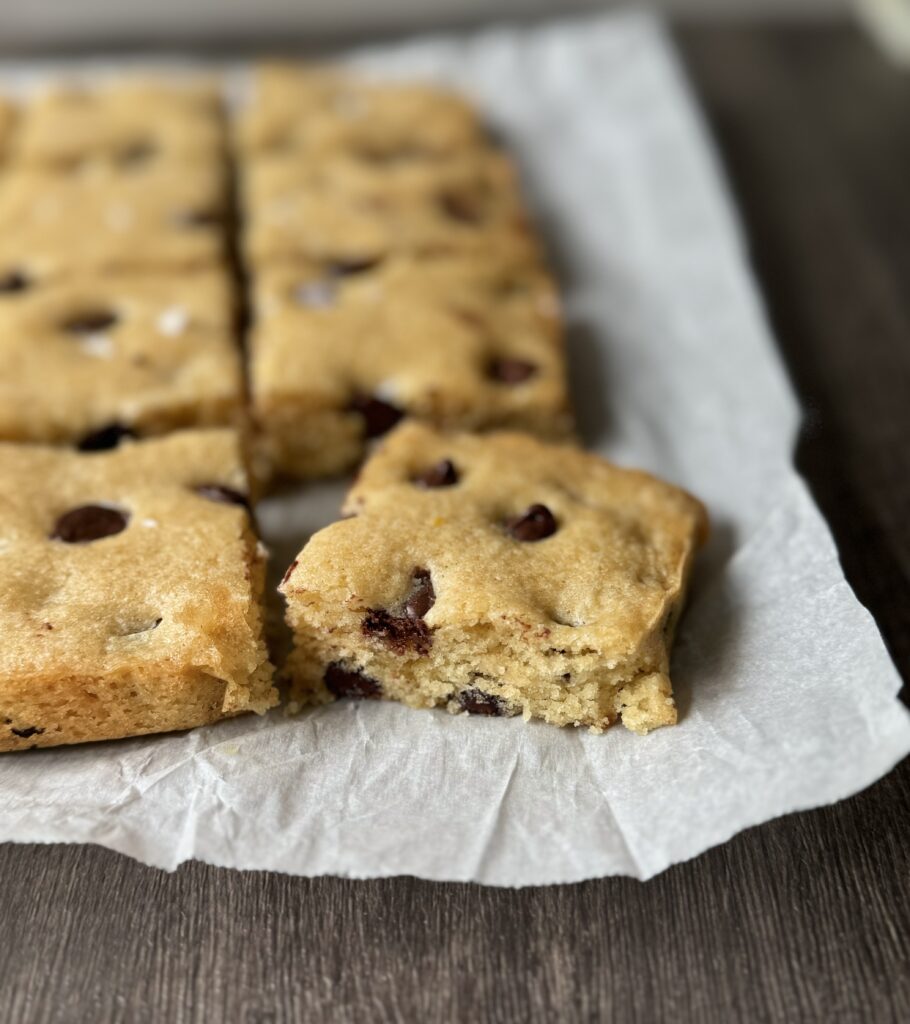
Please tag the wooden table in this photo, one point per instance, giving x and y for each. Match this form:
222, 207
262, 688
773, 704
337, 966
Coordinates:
802, 919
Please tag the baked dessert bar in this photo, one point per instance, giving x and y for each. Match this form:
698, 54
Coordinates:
496, 575
341, 351
130, 588
131, 124
319, 111
98, 217
351, 210
87, 359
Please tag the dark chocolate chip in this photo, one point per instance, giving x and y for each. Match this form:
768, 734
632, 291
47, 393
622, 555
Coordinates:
379, 417
25, 734
352, 683
512, 371
399, 632
443, 474
535, 524
90, 322
105, 438
13, 281
422, 596
460, 207
225, 495
476, 702
89, 522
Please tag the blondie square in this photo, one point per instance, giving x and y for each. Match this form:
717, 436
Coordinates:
497, 575
350, 210
319, 110
100, 218
131, 124
130, 588
340, 352
87, 359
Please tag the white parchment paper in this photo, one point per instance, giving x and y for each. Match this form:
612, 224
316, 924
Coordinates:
786, 693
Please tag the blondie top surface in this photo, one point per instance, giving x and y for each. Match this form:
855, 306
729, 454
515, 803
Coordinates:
345, 208
468, 341
131, 561
550, 571
97, 217
130, 123
149, 352
324, 110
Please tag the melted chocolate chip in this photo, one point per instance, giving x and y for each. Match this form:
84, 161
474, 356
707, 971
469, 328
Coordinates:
403, 629
105, 438
422, 596
92, 321
25, 734
399, 632
220, 493
13, 281
512, 371
443, 474
535, 524
379, 417
86, 523
460, 207
352, 683
476, 702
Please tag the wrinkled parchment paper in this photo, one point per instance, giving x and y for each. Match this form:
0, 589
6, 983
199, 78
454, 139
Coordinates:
786, 693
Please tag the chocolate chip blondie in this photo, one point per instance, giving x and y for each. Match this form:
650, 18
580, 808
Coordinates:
88, 359
319, 110
497, 575
130, 588
348, 209
131, 124
104, 218
341, 351
8, 115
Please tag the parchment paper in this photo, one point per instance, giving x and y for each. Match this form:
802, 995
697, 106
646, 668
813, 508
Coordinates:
786, 693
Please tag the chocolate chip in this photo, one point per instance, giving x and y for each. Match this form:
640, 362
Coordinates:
379, 417
105, 438
13, 281
92, 321
225, 495
512, 371
25, 734
352, 683
460, 207
535, 524
422, 596
443, 474
401, 633
476, 702
89, 522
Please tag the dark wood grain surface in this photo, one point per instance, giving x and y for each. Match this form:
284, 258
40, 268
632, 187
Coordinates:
803, 919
